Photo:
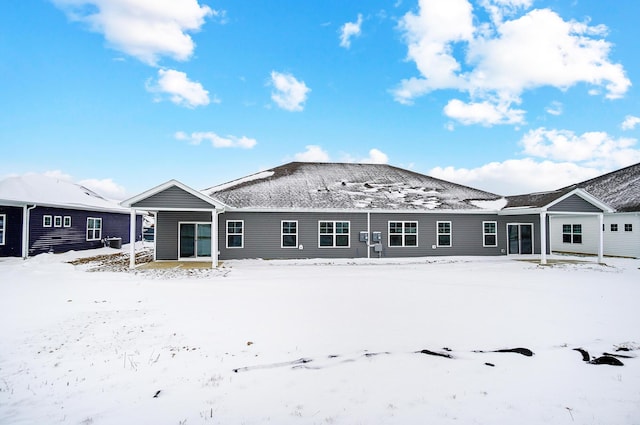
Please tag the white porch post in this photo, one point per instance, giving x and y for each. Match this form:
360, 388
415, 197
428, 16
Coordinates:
214, 239
601, 239
132, 239
543, 237
25, 231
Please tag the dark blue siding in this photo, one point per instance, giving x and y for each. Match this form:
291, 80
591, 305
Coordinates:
62, 239
13, 232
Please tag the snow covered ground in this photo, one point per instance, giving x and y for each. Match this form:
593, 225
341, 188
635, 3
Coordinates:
319, 342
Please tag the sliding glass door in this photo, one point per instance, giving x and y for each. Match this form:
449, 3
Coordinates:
520, 238
195, 240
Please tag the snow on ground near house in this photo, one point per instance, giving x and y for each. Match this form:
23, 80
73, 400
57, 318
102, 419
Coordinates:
319, 342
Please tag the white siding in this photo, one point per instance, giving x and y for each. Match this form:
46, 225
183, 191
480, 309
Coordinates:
620, 243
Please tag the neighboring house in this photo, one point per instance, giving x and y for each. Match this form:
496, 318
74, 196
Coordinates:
44, 214
620, 229
332, 210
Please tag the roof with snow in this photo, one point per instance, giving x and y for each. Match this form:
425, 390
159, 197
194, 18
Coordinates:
349, 186
619, 189
37, 189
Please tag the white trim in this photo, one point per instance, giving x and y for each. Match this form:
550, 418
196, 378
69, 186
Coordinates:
44, 220
227, 234
585, 196
57, 221
86, 233
195, 257
357, 211
282, 234
402, 234
64, 221
533, 239
334, 234
443, 234
495, 223
3, 229
166, 185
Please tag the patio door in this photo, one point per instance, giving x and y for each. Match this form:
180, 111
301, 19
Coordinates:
520, 238
195, 240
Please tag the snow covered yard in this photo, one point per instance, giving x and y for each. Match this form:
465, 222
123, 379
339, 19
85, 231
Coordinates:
319, 342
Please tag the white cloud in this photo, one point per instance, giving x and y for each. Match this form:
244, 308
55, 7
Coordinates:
289, 94
630, 122
595, 149
376, 156
313, 153
57, 174
350, 30
144, 29
180, 89
216, 141
556, 158
517, 176
485, 113
503, 57
105, 187
555, 108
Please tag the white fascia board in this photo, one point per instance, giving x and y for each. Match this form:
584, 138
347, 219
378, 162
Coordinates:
584, 195
520, 211
164, 186
79, 207
357, 211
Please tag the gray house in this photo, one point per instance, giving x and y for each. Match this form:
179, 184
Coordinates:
338, 210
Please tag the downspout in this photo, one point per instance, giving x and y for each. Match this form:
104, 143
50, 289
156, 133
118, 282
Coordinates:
543, 237
601, 239
368, 234
26, 219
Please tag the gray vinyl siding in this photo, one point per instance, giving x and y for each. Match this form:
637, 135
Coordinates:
262, 233
574, 203
167, 230
534, 219
466, 235
173, 197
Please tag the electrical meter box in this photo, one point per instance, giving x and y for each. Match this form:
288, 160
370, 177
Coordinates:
377, 247
364, 236
376, 237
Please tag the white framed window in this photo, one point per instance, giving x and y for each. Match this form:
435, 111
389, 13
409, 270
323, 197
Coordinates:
572, 233
333, 234
235, 233
66, 222
614, 227
47, 221
3, 227
94, 229
403, 233
443, 233
628, 227
489, 233
57, 221
289, 234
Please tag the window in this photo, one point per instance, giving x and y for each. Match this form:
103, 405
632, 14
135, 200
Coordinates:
67, 221
334, 234
235, 233
289, 235
403, 233
572, 233
444, 233
489, 233
47, 221
94, 229
3, 226
628, 227
614, 227
57, 221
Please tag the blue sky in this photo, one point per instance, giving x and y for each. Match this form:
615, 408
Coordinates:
509, 96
